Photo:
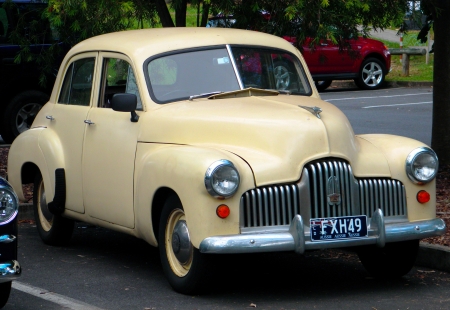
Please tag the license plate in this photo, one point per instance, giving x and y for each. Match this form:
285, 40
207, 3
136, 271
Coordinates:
345, 227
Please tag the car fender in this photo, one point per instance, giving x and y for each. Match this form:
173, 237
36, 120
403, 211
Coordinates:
41, 147
182, 169
396, 149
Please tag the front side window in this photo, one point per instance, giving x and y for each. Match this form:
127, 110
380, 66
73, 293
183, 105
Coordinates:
118, 77
77, 85
190, 73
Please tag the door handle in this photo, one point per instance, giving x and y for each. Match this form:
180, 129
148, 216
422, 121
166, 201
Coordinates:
50, 117
88, 121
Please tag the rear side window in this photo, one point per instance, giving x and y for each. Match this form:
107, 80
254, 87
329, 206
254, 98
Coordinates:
77, 85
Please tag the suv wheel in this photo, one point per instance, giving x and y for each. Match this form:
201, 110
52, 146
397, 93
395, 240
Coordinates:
371, 74
20, 113
322, 85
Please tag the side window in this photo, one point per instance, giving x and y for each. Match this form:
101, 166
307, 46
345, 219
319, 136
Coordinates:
77, 85
118, 77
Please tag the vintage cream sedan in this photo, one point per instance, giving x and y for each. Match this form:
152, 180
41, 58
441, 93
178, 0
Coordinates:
195, 141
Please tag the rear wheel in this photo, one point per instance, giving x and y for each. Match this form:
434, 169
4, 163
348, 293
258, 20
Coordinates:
21, 112
322, 85
393, 261
184, 266
371, 74
53, 229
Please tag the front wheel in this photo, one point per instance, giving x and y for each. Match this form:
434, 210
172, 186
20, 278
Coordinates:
186, 269
5, 289
53, 229
393, 261
21, 112
371, 74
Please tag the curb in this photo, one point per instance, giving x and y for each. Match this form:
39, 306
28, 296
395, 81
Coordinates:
430, 255
387, 84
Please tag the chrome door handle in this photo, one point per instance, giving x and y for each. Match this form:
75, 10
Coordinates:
50, 117
88, 121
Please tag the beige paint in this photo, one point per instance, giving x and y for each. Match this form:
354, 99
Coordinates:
118, 166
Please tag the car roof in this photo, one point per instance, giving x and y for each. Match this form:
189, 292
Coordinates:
147, 42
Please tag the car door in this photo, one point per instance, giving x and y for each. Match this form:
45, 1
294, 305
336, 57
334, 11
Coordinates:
326, 58
110, 146
67, 121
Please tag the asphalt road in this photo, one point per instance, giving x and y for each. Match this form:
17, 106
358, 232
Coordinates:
404, 111
102, 269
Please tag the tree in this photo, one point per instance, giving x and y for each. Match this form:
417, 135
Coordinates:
438, 12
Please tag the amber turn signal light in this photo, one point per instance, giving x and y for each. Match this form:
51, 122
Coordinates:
423, 197
223, 211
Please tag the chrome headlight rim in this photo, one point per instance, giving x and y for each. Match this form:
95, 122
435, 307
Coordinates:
6, 189
212, 169
411, 159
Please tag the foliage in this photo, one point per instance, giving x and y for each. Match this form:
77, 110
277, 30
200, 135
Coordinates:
336, 20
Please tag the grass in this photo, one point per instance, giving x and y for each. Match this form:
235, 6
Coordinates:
419, 70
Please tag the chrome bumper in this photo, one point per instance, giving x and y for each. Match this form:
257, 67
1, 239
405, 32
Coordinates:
9, 271
296, 239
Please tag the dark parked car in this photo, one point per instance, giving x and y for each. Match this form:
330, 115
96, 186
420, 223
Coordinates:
22, 96
367, 67
9, 266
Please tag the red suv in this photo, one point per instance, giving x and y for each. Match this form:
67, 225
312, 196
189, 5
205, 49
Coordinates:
367, 65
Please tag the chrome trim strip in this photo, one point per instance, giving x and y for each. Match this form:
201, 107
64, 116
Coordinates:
7, 238
236, 72
9, 271
298, 239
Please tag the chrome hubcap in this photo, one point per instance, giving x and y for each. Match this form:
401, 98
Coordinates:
181, 242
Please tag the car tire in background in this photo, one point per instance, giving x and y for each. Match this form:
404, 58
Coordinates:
394, 260
53, 229
186, 269
20, 113
322, 85
5, 290
282, 75
371, 74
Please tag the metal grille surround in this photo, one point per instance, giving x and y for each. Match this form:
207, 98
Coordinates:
326, 189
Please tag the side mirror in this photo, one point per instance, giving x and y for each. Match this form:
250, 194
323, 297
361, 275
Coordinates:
124, 102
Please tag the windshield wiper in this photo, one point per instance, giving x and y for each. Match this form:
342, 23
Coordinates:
204, 95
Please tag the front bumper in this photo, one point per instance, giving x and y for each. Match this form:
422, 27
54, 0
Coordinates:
9, 271
296, 239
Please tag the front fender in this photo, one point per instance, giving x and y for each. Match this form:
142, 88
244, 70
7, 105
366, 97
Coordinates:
396, 149
182, 169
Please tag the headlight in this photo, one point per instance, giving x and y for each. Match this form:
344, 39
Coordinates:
9, 204
422, 165
222, 179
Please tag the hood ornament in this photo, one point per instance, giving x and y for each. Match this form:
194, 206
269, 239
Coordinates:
314, 110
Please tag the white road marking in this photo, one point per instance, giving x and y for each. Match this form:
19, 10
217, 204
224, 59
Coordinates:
395, 105
375, 97
61, 300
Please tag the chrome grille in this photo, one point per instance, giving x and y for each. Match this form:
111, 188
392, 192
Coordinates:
272, 206
388, 195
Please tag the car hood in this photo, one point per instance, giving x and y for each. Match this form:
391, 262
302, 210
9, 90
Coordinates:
273, 134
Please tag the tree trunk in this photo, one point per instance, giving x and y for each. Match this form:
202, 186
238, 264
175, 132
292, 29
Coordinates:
180, 14
163, 13
440, 141
205, 14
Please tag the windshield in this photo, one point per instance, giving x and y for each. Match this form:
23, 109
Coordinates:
201, 72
